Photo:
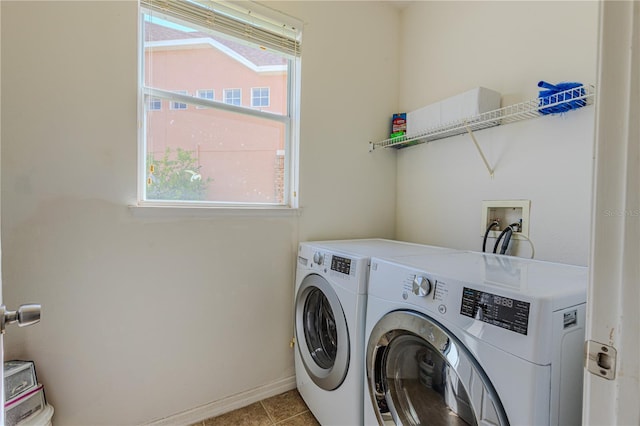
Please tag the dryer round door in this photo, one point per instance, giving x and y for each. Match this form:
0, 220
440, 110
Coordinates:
419, 373
321, 332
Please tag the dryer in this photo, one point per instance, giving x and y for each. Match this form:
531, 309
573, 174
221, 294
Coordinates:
474, 338
329, 305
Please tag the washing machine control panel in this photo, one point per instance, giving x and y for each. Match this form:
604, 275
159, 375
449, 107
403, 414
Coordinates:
510, 314
425, 291
341, 264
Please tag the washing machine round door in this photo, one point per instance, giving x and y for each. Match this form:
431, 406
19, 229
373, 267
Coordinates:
419, 373
321, 332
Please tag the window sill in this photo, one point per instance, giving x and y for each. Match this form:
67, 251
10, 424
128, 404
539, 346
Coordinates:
152, 211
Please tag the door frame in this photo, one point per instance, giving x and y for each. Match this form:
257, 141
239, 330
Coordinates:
1, 300
614, 286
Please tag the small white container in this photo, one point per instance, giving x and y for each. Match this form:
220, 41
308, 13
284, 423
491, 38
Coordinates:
25, 405
426, 373
19, 377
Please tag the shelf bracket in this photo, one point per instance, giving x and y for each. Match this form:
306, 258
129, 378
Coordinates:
475, 142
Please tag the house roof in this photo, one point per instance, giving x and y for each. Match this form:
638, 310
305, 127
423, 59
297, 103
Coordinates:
258, 57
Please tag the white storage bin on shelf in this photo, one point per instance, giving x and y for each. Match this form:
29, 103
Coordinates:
468, 104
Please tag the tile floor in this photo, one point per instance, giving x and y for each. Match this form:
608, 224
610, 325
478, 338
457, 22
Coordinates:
286, 409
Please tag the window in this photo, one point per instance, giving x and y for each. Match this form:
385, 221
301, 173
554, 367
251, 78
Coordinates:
179, 105
215, 153
233, 96
260, 97
155, 104
205, 94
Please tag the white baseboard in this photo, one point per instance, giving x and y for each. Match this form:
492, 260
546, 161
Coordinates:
227, 404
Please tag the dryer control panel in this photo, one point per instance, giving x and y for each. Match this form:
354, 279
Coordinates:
497, 310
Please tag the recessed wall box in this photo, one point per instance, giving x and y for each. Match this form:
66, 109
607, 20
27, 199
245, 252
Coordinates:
506, 212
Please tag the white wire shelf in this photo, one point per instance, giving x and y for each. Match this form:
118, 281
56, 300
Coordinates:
559, 103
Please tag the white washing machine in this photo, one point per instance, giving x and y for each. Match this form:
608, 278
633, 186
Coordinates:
474, 338
330, 303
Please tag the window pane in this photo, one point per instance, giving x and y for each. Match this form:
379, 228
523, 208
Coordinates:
214, 155
181, 58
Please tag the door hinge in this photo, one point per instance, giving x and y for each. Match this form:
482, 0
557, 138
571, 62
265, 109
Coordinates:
600, 359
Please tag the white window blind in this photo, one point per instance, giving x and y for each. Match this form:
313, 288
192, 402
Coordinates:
234, 20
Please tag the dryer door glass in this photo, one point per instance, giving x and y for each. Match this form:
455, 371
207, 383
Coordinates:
419, 373
322, 334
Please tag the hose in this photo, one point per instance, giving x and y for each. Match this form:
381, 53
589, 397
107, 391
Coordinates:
486, 234
507, 237
507, 234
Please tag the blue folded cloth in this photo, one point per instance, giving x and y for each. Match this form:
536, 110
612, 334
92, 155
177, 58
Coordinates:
562, 93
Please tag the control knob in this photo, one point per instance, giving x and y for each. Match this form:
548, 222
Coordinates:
421, 286
318, 258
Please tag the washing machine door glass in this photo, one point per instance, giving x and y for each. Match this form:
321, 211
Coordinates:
321, 332
419, 373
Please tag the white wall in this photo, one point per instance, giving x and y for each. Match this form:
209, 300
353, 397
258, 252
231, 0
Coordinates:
451, 47
145, 317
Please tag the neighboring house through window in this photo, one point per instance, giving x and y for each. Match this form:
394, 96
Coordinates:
218, 153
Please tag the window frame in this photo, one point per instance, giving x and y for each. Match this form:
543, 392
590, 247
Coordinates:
291, 139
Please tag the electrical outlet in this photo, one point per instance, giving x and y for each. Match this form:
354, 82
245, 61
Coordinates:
506, 212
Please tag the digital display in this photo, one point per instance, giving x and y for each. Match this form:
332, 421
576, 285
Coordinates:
341, 264
510, 314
